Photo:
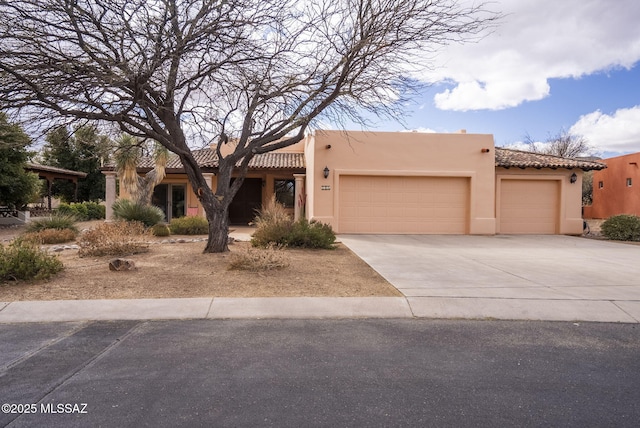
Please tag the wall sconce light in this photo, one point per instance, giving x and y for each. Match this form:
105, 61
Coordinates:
573, 178
325, 172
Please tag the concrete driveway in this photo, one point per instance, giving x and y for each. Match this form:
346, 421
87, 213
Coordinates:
508, 276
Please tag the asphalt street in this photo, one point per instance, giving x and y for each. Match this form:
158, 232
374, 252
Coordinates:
338, 373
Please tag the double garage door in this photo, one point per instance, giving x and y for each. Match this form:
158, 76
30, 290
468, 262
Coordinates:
440, 205
391, 204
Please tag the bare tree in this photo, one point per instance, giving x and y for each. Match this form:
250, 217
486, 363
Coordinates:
567, 145
260, 72
562, 144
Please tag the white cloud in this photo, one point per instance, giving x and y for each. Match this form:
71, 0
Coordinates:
537, 40
519, 145
423, 130
618, 132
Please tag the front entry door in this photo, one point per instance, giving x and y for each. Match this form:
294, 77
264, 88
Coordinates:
246, 202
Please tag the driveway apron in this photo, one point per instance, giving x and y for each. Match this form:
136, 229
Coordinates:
508, 276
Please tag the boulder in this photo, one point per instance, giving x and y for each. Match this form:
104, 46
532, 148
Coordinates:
121, 265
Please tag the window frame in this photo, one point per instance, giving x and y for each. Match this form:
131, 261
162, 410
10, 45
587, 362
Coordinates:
290, 185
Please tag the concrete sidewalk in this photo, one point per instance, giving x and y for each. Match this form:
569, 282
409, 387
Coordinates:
205, 308
320, 307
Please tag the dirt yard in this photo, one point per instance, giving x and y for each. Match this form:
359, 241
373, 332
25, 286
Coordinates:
181, 270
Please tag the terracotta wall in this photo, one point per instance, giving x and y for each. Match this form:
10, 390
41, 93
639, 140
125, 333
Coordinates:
614, 196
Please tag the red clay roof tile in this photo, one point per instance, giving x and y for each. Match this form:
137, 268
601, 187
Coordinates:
207, 158
509, 158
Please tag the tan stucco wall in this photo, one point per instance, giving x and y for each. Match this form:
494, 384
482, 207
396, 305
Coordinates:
401, 154
570, 194
228, 148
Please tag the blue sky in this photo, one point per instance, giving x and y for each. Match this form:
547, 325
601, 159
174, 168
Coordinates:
549, 65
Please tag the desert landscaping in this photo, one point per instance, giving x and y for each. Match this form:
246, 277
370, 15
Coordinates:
177, 268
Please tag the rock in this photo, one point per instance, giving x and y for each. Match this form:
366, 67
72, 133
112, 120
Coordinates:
121, 265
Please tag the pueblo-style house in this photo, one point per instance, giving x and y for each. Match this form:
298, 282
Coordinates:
615, 189
395, 183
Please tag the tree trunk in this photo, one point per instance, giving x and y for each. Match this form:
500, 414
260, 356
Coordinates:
218, 218
215, 204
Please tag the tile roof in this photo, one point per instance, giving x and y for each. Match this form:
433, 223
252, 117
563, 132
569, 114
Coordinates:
508, 158
207, 158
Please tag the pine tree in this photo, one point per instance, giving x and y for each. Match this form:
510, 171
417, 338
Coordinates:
83, 150
17, 187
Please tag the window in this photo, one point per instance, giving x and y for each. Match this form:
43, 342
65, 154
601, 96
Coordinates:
170, 198
600, 184
285, 192
628, 182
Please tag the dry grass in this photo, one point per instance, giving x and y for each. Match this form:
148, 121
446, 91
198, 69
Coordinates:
114, 239
50, 236
259, 259
273, 213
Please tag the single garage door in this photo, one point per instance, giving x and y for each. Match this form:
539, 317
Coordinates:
384, 204
529, 206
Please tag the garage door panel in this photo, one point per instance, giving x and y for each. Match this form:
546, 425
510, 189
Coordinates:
384, 204
529, 206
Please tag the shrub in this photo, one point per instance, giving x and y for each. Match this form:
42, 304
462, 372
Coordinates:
312, 234
189, 226
622, 228
114, 239
83, 211
50, 236
66, 210
56, 221
266, 234
24, 260
273, 213
124, 209
254, 259
160, 230
95, 211
275, 226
